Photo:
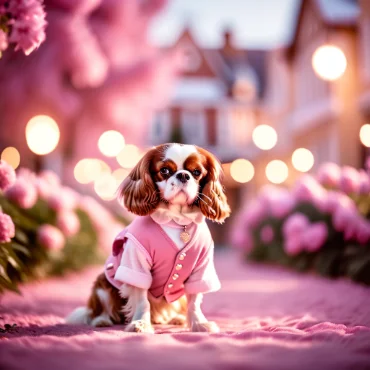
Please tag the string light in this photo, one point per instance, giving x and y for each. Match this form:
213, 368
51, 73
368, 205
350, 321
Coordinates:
264, 137
111, 143
241, 170
42, 134
302, 160
329, 62
129, 156
277, 171
365, 135
11, 156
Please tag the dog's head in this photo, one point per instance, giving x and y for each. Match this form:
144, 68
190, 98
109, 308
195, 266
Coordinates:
176, 174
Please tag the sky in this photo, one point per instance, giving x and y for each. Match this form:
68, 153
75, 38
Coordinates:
255, 23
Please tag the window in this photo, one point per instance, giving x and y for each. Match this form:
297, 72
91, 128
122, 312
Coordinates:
160, 127
194, 127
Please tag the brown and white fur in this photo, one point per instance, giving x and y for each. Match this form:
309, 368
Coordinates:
169, 174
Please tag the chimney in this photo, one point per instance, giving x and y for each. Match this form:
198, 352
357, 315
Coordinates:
228, 47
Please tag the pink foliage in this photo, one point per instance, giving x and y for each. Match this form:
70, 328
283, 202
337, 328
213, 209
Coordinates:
95, 66
7, 175
295, 224
364, 183
349, 181
68, 223
293, 245
3, 41
26, 21
63, 198
267, 234
315, 236
50, 237
22, 193
308, 189
7, 228
279, 202
329, 174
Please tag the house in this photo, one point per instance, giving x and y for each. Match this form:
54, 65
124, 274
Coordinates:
306, 111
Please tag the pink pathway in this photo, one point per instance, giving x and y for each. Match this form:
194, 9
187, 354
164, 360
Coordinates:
270, 319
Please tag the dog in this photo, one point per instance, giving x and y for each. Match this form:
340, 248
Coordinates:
162, 263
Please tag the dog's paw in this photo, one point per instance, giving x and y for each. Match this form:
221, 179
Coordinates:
208, 327
178, 320
139, 326
101, 321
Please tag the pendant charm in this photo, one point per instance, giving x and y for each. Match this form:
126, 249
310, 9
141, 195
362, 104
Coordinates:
185, 236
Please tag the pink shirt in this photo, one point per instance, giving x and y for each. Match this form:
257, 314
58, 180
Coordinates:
160, 266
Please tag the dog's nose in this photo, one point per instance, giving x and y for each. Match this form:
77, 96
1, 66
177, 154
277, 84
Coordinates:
183, 177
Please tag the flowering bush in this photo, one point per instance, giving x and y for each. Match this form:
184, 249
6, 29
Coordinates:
322, 223
47, 228
22, 23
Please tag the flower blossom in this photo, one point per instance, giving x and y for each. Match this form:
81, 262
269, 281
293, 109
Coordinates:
50, 237
7, 175
7, 228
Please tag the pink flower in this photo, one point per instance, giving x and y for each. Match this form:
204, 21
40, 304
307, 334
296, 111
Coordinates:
349, 181
344, 217
26, 174
267, 234
7, 228
27, 24
315, 237
7, 175
279, 202
337, 199
293, 245
62, 199
363, 232
50, 237
254, 213
328, 175
50, 177
307, 189
43, 188
3, 40
22, 193
68, 223
364, 187
295, 224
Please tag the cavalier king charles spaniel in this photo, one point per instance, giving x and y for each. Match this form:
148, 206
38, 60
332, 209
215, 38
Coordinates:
162, 263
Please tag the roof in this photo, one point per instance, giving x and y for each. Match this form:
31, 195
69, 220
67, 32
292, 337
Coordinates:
227, 63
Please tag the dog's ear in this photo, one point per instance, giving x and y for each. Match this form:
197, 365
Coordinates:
214, 204
138, 191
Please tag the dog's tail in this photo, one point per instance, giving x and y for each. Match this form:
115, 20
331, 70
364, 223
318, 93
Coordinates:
81, 315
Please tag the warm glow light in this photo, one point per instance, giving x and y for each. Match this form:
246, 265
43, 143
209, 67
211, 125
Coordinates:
241, 170
106, 186
302, 160
11, 156
265, 137
111, 143
365, 135
129, 156
88, 170
120, 174
277, 171
42, 134
329, 62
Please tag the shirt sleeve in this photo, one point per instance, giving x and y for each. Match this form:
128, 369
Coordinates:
135, 267
204, 278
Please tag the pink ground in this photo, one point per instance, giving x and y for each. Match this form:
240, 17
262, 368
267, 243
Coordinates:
270, 319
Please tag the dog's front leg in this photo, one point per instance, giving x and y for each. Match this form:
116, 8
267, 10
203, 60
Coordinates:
138, 307
195, 318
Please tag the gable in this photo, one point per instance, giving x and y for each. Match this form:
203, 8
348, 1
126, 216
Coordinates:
195, 64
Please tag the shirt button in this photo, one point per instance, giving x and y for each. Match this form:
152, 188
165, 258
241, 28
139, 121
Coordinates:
182, 256
178, 266
170, 286
175, 276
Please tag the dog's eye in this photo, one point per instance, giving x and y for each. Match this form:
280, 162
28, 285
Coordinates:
164, 171
196, 173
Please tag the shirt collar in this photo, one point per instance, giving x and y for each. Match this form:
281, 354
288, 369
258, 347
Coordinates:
182, 215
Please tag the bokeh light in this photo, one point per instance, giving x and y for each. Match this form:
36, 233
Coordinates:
129, 156
365, 135
264, 137
106, 186
111, 143
241, 170
329, 62
277, 171
42, 134
89, 169
120, 174
11, 156
302, 159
